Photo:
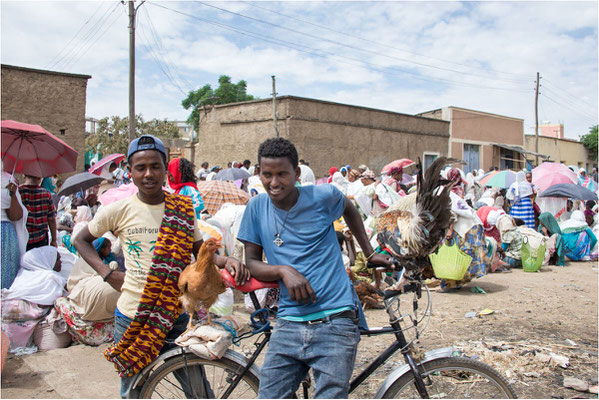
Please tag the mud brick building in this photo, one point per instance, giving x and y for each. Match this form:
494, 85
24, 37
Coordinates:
326, 134
54, 100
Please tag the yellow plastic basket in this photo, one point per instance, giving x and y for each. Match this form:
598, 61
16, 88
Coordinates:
450, 262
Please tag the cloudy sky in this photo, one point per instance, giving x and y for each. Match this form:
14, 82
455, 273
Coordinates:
406, 57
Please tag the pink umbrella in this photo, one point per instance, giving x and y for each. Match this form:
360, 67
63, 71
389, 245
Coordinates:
117, 193
32, 150
112, 158
404, 163
549, 174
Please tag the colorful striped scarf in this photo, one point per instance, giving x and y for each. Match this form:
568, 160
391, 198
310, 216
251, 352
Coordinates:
159, 306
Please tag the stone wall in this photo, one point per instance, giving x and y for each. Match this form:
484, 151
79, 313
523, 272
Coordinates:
54, 100
326, 134
566, 151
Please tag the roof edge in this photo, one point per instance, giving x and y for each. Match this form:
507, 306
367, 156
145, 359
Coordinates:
44, 71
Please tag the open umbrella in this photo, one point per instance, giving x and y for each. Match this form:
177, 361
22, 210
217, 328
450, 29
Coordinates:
112, 158
502, 179
549, 174
79, 182
216, 193
403, 162
231, 174
570, 191
32, 150
117, 193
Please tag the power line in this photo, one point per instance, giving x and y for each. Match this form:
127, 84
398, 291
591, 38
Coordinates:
74, 36
572, 109
72, 53
321, 53
162, 49
358, 48
568, 100
382, 44
91, 44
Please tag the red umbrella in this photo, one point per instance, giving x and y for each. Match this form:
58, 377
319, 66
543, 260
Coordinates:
404, 163
112, 158
32, 150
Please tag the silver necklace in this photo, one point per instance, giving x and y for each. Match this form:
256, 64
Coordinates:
278, 241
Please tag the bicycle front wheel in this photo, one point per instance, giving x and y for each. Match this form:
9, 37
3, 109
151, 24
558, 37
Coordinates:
189, 376
453, 378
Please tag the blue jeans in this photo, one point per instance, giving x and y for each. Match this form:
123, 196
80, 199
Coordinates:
329, 348
121, 323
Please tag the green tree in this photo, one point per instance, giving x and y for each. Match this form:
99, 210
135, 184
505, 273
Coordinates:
226, 92
112, 133
590, 142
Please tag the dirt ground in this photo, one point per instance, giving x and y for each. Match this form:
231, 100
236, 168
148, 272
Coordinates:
535, 316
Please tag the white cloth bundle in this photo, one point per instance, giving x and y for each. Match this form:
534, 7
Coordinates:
209, 342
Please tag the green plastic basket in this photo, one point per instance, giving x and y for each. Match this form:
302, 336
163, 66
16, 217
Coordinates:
450, 262
532, 259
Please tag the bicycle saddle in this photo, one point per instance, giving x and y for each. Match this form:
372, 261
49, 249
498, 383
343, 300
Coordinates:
251, 285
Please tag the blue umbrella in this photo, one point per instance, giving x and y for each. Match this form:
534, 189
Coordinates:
570, 191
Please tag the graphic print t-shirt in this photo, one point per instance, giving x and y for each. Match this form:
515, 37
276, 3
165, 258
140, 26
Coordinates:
136, 224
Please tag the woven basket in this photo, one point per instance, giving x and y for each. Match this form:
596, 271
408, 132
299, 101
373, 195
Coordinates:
450, 262
532, 259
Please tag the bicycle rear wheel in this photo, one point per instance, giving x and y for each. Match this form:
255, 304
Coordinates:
189, 376
453, 378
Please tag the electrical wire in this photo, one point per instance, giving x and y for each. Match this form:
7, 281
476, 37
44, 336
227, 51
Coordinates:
73, 38
592, 119
357, 48
559, 93
94, 29
382, 44
325, 54
91, 44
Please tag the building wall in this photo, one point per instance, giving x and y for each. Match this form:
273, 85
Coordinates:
54, 100
566, 151
480, 129
552, 130
326, 134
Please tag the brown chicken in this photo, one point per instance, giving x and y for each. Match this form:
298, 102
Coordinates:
201, 282
366, 292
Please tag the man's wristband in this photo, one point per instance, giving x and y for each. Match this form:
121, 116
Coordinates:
107, 275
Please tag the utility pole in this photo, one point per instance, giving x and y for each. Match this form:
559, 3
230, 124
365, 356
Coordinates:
537, 119
274, 106
132, 11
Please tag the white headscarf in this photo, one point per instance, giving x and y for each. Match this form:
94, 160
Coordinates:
36, 281
20, 225
519, 189
340, 182
576, 223
307, 175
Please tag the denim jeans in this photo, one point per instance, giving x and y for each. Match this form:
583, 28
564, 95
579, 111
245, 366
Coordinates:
329, 348
121, 323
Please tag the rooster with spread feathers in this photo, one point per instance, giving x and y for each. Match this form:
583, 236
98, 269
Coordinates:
415, 225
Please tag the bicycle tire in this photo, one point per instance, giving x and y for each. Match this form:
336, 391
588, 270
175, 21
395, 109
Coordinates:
452, 378
162, 383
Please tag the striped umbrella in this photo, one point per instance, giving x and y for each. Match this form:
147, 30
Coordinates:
216, 193
502, 179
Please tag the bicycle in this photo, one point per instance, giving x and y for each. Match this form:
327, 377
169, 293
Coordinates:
438, 373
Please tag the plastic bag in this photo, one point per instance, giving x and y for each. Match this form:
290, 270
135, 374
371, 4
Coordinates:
224, 303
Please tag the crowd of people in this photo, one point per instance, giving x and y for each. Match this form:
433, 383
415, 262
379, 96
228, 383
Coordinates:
96, 265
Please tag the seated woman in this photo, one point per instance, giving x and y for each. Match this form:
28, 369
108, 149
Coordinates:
549, 227
89, 308
579, 239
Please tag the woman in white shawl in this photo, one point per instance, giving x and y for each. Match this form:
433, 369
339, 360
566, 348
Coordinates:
340, 182
578, 238
39, 280
519, 194
14, 231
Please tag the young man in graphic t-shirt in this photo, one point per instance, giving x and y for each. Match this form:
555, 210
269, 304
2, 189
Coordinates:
137, 221
317, 319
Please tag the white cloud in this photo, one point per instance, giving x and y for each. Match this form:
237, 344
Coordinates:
558, 39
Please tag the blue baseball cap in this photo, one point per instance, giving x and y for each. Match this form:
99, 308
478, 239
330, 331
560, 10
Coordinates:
146, 142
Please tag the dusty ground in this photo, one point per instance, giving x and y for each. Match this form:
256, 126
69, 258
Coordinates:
535, 314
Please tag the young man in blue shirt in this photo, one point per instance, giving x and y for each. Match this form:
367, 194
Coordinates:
317, 318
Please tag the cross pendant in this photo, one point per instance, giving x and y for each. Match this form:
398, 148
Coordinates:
278, 241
